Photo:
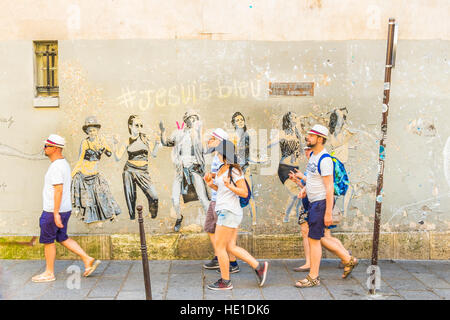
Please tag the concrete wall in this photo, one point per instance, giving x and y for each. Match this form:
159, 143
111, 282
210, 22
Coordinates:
131, 60
293, 20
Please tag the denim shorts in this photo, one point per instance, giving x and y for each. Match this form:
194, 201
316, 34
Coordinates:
228, 219
49, 231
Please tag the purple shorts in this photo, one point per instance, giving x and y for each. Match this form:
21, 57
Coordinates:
316, 215
49, 231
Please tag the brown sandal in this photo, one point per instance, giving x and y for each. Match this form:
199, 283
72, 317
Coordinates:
308, 282
348, 268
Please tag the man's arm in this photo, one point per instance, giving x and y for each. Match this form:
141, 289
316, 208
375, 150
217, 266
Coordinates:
329, 187
57, 202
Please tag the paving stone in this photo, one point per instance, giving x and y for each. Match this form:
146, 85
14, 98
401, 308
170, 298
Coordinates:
443, 293
7, 264
133, 284
419, 295
349, 292
316, 293
132, 295
396, 274
247, 293
31, 291
124, 280
65, 294
443, 275
327, 281
155, 266
105, 288
117, 269
281, 293
412, 285
185, 267
182, 286
384, 289
432, 281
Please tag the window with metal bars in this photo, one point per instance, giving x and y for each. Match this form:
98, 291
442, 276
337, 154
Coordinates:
46, 62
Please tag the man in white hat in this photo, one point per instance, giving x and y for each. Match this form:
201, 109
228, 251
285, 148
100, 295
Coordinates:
57, 207
320, 193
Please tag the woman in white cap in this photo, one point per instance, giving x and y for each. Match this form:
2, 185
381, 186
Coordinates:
91, 196
230, 185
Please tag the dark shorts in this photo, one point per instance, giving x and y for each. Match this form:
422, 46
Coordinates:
316, 214
211, 218
49, 231
304, 217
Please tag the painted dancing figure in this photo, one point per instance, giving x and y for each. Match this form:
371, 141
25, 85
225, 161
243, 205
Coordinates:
91, 196
188, 157
241, 140
135, 173
291, 150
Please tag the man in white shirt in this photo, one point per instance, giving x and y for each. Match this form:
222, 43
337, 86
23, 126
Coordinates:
320, 193
57, 207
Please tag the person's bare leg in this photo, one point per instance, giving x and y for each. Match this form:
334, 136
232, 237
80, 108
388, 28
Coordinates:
73, 246
332, 246
223, 236
336, 240
304, 231
241, 253
335, 245
213, 240
316, 256
50, 256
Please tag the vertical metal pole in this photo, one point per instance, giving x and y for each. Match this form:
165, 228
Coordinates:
148, 287
48, 68
382, 154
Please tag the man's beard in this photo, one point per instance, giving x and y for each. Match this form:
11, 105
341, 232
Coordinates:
309, 144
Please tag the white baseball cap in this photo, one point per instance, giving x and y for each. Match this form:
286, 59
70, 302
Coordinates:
319, 130
220, 134
55, 140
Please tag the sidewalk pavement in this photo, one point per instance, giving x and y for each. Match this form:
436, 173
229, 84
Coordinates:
186, 279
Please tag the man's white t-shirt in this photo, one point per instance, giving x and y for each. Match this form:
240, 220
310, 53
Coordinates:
315, 188
58, 173
225, 198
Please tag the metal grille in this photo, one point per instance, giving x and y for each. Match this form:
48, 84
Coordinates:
46, 62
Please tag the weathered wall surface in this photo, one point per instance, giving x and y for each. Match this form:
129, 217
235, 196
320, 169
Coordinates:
122, 58
271, 20
160, 80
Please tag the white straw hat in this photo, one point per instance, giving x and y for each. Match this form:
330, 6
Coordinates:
319, 130
55, 140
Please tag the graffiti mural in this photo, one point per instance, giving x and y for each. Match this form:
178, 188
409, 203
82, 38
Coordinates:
290, 143
91, 197
241, 140
9, 151
338, 140
188, 157
135, 172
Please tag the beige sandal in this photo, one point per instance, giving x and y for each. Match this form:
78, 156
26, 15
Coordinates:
90, 270
348, 268
43, 278
308, 282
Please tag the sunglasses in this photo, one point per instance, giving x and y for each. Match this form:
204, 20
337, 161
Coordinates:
47, 146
